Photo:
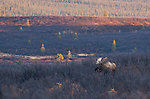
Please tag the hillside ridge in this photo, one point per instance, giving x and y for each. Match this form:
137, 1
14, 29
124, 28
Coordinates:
117, 8
73, 21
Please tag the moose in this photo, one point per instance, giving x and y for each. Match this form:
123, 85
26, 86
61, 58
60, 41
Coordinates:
105, 65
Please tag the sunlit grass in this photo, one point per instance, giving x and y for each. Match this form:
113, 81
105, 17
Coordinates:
59, 57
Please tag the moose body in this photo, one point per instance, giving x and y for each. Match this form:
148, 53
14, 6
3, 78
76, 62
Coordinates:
104, 65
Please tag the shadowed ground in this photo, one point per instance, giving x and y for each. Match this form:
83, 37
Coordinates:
77, 81
29, 40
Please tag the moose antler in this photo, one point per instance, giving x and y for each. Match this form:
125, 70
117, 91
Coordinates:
104, 60
104, 64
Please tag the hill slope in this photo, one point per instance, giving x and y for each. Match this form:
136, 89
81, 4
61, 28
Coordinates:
74, 7
73, 21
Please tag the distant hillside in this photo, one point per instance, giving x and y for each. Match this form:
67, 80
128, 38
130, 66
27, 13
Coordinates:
74, 7
73, 21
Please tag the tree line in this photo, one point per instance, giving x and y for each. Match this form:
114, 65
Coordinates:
75, 8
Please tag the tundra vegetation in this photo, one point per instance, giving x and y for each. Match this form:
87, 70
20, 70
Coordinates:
75, 8
73, 80
77, 81
67, 79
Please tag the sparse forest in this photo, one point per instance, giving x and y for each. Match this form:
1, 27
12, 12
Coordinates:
137, 8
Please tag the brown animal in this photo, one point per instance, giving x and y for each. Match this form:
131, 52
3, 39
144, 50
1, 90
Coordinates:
105, 65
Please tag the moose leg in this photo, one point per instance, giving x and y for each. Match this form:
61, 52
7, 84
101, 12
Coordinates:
98, 69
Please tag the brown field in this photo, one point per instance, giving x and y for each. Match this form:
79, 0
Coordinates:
74, 21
